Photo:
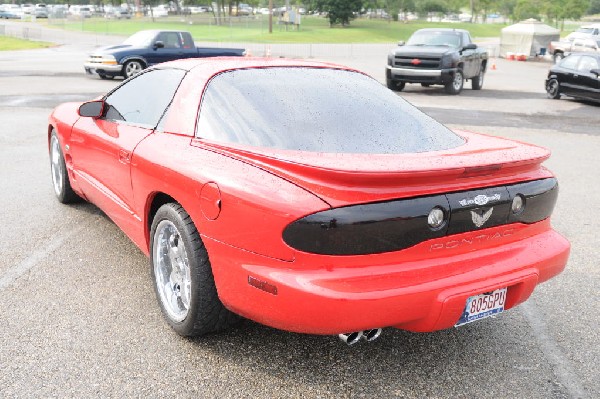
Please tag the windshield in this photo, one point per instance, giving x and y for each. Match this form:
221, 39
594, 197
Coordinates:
316, 110
450, 39
586, 30
140, 39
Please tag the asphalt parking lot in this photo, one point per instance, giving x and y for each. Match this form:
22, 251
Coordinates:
79, 317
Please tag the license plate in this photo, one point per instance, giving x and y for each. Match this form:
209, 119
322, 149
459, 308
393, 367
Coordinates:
481, 306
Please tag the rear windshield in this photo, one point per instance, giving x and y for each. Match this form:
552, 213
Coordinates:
316, 110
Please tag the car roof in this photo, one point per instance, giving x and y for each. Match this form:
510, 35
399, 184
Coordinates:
443, 30
215, 65
588, 53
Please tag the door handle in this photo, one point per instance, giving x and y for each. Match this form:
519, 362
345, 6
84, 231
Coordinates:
124, 156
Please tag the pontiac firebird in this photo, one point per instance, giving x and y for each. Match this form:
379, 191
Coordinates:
307, 197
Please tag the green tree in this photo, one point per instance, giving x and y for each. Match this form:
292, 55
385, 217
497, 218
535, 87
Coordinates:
525, 9
340, 11
594, 7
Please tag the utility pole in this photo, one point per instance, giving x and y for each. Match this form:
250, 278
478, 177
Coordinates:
270, 16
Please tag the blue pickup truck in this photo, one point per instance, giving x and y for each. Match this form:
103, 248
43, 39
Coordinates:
146, 48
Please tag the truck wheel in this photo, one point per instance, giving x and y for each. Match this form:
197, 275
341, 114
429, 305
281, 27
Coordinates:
132, 68
477, 81
553, 89
558, 57
456, 85
395, 86
183, 278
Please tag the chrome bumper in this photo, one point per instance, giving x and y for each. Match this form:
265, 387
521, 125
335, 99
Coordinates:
96, 66
415, 72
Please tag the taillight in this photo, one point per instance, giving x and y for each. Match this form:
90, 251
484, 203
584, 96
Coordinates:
399, 224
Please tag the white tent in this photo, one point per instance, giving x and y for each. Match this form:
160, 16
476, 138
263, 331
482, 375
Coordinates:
527, 37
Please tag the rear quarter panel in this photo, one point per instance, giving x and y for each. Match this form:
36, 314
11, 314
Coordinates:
255, 205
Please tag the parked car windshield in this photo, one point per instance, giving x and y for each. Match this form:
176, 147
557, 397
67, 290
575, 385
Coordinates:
432, 38
316, 110
140, 39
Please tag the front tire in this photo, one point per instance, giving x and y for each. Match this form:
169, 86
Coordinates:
553, 89
182, 274
456, 85
60, 176
395, 86
132, 68
558, 57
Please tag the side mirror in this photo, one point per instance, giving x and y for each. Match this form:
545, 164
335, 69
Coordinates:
401, 43
158, 44
91, 109
470, 46
596, 72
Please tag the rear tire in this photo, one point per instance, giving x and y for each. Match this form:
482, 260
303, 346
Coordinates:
477, 81
182, 274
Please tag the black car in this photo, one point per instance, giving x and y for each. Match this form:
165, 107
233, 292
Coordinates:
577, 75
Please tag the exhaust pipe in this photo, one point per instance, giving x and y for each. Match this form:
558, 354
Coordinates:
351, 338
371, 335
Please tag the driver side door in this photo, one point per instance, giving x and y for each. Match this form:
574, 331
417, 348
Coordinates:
103, 148
172, 48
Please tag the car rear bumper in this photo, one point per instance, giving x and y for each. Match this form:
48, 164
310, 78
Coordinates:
92, 68
430, 76
423, 288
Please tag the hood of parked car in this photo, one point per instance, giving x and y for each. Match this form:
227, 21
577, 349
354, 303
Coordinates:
114, 49
423, 50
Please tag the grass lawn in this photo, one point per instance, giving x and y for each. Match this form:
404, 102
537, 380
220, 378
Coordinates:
11, 43
313, 29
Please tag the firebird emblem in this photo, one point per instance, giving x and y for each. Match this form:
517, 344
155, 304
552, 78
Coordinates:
415, 61
478, 219
479, 200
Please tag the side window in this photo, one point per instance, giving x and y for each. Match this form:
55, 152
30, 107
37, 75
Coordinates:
587, 63
187, 40
465, 39
170, 39
570, 62
143, 100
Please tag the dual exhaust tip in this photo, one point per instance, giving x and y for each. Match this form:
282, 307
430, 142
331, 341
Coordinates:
354, 337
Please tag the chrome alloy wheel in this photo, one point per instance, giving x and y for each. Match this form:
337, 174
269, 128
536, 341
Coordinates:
132, 68
172, 271
458, 81
56, 168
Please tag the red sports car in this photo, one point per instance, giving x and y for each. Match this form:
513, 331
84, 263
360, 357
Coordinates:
308, 197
